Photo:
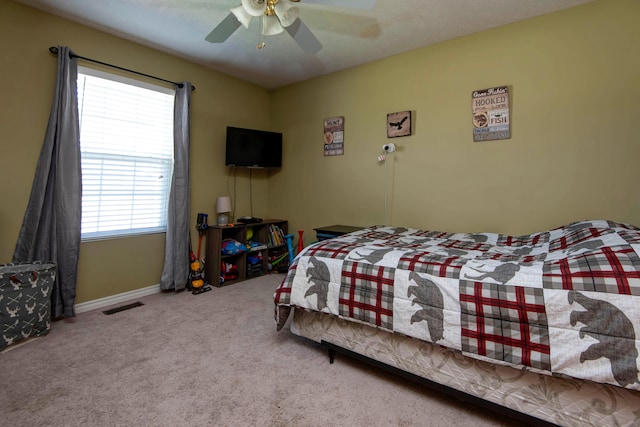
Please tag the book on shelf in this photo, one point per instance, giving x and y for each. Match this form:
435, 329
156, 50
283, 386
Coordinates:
275, 235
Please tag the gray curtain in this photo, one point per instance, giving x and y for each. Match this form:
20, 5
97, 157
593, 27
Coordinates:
175, 273
51, 225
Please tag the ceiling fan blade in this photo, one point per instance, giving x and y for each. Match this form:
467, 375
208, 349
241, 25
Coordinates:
304, 37
355, 4
223, 30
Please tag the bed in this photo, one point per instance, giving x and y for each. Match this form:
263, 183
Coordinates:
543, 326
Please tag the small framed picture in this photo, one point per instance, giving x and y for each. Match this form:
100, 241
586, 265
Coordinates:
399, 124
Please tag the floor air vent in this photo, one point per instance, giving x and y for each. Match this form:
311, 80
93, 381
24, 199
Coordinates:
123, 308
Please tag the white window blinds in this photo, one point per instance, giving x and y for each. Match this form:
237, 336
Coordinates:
126, 142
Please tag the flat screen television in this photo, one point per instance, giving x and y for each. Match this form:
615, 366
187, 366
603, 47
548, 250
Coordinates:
253, 148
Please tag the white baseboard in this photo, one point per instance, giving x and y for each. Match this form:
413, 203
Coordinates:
116, 299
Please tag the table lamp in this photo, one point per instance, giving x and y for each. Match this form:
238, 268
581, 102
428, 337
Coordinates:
223, 207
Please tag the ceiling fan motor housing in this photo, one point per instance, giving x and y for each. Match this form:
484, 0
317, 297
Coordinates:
276, 16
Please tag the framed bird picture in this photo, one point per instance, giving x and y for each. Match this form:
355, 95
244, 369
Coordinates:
399, 124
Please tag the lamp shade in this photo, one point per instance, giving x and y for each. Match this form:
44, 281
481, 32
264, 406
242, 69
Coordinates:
286, 12
271, 25
223, 204
254, 7
242, 15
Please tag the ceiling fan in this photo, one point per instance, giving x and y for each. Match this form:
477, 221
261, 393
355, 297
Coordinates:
276, 17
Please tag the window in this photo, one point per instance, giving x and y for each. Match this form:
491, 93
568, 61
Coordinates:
126, 144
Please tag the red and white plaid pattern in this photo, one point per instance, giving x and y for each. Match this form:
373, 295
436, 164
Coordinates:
613, 270
282, 298
333, 248
434, 264
506, 323
632, 237
433, 234
526, 259
394, 243
366, 293
465, 245
282, 295
577, 236
528, 240
614, 224
376, 235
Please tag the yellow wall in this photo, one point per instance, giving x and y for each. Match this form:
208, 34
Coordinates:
28, 72
575, 100
574, 151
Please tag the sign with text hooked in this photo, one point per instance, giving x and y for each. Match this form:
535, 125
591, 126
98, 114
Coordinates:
491, 114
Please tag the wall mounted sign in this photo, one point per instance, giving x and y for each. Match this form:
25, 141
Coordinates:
334, 136
490, 112
399, 124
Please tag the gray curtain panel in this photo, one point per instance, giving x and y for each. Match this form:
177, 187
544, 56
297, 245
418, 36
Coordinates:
175, 273
51, 225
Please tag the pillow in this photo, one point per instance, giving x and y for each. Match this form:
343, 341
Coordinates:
232, 247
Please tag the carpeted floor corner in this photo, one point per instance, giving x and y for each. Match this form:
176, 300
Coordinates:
204, 360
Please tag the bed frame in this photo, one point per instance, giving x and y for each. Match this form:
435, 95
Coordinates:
452, 392
532, 398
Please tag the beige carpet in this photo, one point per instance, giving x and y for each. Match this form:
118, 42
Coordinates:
210, 359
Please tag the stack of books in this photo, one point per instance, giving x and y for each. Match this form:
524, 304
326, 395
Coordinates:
276, 236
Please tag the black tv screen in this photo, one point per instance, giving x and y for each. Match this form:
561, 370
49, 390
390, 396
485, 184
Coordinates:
253, 148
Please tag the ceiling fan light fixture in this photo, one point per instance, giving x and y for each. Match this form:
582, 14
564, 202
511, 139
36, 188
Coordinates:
271, 25
254, 7
286, 12
242, 16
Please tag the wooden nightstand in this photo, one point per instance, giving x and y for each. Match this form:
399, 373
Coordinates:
324, 233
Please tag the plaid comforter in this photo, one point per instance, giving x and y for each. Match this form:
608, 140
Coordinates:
564, 301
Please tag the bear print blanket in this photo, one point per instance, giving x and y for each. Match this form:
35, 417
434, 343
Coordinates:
564, 301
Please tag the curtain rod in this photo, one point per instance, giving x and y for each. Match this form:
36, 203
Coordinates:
54, 50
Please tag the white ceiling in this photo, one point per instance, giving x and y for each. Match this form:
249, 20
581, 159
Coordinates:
349, 36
